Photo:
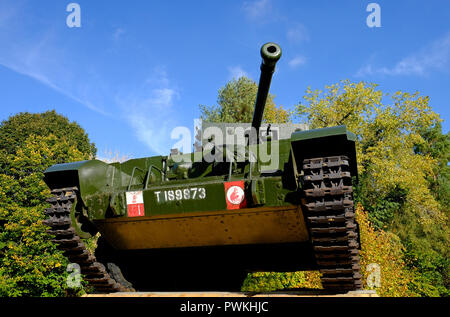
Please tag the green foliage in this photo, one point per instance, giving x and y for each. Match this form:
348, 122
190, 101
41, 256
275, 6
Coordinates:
427, 254
30, 264
24, 169
236, 102
431, 272
384, 249
437, 145
274, 281
403, 166
16, 130
381, 209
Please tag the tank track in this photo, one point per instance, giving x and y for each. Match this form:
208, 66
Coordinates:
67, 240
330, 215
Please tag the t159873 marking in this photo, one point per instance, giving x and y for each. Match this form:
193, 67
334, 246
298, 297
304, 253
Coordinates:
180, 194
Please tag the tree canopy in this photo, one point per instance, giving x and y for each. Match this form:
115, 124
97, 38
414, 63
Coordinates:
16, 130
236, 102
402, 165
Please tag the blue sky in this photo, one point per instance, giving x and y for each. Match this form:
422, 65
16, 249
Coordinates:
135, 70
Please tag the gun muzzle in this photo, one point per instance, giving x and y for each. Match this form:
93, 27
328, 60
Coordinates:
270, 53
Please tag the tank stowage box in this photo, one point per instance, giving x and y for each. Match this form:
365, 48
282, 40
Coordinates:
203, 220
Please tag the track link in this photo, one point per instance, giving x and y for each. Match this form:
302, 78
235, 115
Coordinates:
328, 203
74, 249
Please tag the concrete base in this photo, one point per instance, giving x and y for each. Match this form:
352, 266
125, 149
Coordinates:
306, 293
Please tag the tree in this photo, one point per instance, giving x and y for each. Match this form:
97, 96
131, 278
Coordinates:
395, 162
30, 264
382, 253
15, 130
387, 137
25, 169
236, 102
437, 145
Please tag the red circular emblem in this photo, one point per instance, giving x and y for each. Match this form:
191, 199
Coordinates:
235, 195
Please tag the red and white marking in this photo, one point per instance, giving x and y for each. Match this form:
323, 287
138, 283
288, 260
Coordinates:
135, 204
235, 195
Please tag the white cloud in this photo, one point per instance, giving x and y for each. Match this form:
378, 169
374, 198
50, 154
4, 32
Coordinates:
257, 9
152, 132
236, 72
150, 112
148, 109
297, 61
297, 34
29, 71
433, 57
40, 58
118, 34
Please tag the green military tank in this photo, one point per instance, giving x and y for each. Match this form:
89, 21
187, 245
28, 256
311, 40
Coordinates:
203, 220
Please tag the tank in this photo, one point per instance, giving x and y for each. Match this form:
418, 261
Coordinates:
204, 220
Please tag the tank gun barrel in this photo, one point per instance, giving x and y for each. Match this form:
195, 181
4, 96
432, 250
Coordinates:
270, 53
